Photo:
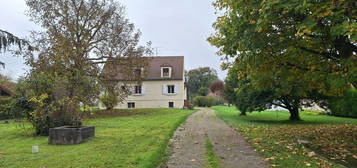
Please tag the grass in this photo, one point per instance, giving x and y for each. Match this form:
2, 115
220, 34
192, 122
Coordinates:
329, 141
138, 140
211, 157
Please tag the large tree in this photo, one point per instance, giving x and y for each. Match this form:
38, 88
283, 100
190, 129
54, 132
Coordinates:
198, 81
79, 37
241, 92
291, 47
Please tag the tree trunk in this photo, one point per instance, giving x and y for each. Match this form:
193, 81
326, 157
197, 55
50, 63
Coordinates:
294, 114
243, 113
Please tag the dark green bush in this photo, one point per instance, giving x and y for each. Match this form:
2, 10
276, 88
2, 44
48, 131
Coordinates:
198, 101
345, 106
5, 108
204, 101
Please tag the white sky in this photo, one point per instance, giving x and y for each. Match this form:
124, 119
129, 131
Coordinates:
176, 28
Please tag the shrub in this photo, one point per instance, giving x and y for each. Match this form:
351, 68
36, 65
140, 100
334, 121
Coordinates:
109, 100
198, 101
209, 101
46, 102
345, 106
204, 101
5, 108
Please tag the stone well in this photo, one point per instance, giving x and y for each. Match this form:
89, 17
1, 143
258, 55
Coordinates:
69, 135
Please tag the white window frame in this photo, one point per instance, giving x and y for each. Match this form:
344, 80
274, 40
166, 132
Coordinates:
168, 90
165, 89
131, 107
162, 72
138, 94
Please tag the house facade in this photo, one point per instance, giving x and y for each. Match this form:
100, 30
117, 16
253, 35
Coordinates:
162, 87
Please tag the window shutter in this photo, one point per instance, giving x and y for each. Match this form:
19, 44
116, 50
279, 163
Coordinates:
164, 90
132, 90
142, 89
177, 89
170, 72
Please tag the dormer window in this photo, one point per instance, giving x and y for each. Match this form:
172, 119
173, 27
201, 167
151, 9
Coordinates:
166, 72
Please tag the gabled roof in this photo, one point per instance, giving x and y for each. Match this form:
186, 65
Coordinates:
5, 90
153, 70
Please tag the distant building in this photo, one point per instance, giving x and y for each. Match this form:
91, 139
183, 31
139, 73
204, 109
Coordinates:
162, 87
5, 92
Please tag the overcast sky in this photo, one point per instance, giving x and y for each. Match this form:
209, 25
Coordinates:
175, 27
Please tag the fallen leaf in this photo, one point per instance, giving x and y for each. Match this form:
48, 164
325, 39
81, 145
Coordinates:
311, 154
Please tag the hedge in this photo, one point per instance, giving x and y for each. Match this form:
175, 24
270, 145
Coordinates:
206, 101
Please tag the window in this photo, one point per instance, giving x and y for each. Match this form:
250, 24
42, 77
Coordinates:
131, 105
170, 89
171, 104
137, 89
166, 72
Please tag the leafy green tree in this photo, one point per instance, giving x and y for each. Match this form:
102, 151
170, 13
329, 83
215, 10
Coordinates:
240, 93
198, 81
247, 98
294, 48
79, 37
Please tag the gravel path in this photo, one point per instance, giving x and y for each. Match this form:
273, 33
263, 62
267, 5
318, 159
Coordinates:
188, 144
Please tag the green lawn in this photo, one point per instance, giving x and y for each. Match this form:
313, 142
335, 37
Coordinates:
138, 140
277, 139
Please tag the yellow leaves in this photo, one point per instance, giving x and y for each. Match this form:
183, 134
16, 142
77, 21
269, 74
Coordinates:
39, 100
311, 154
241, 75
252, 22
302, 32
313, 68
270, 158
325, 13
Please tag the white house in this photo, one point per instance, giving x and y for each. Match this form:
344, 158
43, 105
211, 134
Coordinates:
162, 87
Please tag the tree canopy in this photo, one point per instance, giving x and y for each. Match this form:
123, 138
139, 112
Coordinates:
198, 81
293, 47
